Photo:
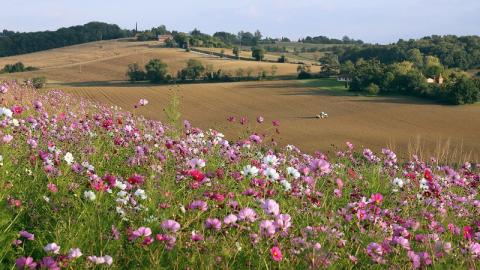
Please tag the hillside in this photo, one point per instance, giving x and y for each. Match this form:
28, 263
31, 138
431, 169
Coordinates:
108, 61
89, 186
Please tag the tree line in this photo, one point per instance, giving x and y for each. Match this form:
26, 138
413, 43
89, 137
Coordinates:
156, 71
14, 43
454, 52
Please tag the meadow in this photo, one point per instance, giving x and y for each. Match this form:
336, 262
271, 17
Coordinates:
86, 185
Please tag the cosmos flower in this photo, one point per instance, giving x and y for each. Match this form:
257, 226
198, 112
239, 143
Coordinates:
249, 171
52, 247
171, 225
271, 207
276, 253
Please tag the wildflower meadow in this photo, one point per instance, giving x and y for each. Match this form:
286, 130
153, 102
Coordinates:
85, 185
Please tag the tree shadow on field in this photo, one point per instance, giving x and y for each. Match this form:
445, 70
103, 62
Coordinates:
106, 84
296, 88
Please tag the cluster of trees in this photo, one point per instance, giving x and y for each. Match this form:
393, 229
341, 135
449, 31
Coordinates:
13, 43
153, 33
17, 67
242, 38
156, 71
453, 52
326, 40
411, 79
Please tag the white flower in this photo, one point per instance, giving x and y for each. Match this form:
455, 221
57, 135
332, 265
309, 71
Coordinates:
89, 195
6, 111
286, 185
424, 184
45, 198
68, 158
15, 122
141, 194
271, 174
293, 172
74, 253
238, 246
197, 163
250, 170
120, 185
270, 160
398, 183
52, 247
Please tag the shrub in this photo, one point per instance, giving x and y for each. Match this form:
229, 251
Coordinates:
39, 82
304, 75
193, 71
17, 67
135, 73
258, 53
282, 59
373, 89
156, 71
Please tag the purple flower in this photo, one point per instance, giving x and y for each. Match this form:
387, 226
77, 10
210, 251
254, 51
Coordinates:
49, 263
171, 225
230, 219
213, 223
200, 205
25, 263
283, 222
247, 214
74, 253
271, 207
267, 228
52, 247
27, 235
141, 232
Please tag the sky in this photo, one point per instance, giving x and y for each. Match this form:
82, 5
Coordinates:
374, 21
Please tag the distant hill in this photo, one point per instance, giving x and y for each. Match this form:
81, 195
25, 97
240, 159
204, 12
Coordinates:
14, 43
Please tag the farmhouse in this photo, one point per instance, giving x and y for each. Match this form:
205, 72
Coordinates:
164, 38
437, 80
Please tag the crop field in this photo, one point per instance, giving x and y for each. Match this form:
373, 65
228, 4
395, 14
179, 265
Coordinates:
108, 60
405, 124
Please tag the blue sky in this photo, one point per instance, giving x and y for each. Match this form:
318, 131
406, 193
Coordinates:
378, 21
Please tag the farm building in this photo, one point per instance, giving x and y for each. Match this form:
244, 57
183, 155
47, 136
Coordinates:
164, 38
438, 80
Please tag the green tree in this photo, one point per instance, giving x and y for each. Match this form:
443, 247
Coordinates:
282, 59
373, 89
258, 53
135, 73
236, 51
416, 57
156, 71
194, 70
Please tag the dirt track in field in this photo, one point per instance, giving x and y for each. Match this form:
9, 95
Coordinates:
372, 122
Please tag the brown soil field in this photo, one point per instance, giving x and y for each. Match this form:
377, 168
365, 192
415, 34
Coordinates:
108, 61
405, 124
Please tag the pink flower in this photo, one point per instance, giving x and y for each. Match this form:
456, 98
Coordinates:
260, 119
7, 138
475, 249
143, 102
377, 198
321, 165
196, 237
136, 179
171, 225
17, 109
283, 222
276, 123
141, 232
467, 232
24, 263
276, 253
49, 263
52, 187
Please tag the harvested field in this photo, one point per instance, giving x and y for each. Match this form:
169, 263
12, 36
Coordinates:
108, 61
403, 123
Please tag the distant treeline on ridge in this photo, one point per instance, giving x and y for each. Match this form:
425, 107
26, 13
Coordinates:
13, 43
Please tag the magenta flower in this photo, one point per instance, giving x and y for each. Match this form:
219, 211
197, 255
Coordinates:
49, 263
276, 253
213, 223
24, 263
171, 225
